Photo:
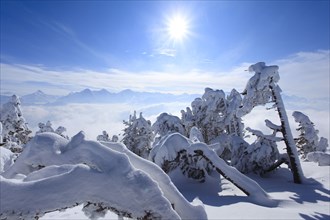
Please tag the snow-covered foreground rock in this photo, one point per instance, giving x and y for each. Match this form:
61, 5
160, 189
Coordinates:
53, 173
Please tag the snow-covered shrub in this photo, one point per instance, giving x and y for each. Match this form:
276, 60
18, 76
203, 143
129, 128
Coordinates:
308, 140
106, 138
15, 131
114, 138
138, 135
258, 157
48, 128
103, 137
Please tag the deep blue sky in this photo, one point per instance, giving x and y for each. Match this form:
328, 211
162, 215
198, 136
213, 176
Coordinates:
128, 35
61, 46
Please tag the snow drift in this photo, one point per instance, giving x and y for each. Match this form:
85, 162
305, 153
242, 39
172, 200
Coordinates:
53, 173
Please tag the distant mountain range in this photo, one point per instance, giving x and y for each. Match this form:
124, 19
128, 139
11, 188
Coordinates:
101, 96
130, 96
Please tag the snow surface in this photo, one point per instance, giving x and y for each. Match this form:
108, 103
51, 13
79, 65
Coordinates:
182, 206
78, 172
309, 200
6, 159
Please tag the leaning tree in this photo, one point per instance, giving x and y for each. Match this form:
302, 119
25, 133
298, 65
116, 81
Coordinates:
262, 88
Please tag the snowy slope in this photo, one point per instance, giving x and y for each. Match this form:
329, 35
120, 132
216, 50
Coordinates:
308, 201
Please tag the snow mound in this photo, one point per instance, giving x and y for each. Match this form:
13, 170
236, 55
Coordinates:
180, 204
56, 174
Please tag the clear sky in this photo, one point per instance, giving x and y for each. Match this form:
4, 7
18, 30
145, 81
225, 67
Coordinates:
62, 46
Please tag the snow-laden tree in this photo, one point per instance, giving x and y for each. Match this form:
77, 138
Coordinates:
138, 135
166, 124
15, 130
214, 114
234, 125
103, 137
187, 119
308, 140
106, 138
197, 160
48, 128
54, 173
262, 88
258, 157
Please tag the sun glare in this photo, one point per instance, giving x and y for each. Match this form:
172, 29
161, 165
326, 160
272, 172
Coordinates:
177, 28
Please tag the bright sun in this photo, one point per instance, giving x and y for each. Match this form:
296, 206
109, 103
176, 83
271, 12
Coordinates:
177, 28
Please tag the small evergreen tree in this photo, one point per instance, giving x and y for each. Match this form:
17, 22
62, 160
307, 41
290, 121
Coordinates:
308, 140
15, 130
167, 124
214, 114
138, 135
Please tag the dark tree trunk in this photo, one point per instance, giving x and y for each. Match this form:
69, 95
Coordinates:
287, 135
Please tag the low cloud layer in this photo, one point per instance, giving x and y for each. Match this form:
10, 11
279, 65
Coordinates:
94, 118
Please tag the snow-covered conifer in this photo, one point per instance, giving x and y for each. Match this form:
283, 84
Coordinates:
138, 135
257, 157
234, 125
14, 128
167, 124
308, 140
261, 89
187, 120
214, 114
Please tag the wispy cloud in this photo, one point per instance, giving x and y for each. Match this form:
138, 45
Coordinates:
166, 52
306, 74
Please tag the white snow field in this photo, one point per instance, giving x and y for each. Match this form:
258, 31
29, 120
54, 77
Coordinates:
80, 173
